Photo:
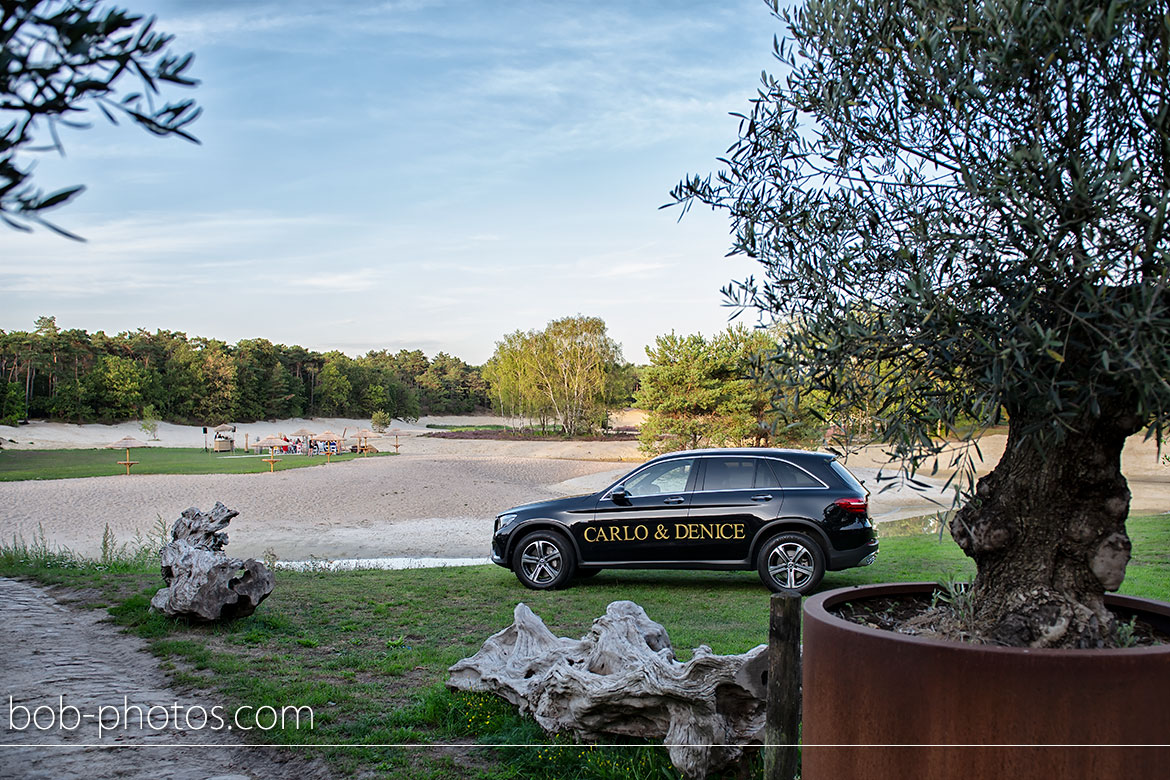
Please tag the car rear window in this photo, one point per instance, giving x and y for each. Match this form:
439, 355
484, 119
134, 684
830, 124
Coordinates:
846, 476
792, 476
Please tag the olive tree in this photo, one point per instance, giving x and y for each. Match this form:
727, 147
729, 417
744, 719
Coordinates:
58, 60
972, 196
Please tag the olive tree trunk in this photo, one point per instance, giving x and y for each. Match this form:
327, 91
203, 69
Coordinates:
1046, 529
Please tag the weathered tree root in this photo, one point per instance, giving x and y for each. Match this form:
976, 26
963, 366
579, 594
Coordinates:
621, 679
203, 582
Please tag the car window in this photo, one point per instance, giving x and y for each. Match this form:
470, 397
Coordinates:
791, 476
765, 477
730, 474
668, 477
847, 477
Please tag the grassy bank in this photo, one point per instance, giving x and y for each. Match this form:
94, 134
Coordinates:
16, 465
368, 651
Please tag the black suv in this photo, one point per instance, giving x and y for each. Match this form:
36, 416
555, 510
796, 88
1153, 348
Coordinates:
786, 513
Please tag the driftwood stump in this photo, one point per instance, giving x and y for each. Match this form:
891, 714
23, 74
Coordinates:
203, 583
621, 679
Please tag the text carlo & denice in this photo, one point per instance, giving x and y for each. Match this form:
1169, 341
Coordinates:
681, 532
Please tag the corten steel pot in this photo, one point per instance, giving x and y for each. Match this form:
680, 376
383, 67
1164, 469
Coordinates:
878, 704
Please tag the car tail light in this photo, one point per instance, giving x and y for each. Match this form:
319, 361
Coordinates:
854, 506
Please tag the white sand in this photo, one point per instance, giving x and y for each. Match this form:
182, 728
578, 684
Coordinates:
438, 498
435, 500
44, 435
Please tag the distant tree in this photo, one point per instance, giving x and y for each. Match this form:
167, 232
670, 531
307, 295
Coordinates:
621, 384
61, 59
217, 375
375, 397
286, 394
970, 200
401, 390
380, 421
149, 422
11, 403
182, 383
48, 348
69, 403
513, 394
700, 392
564, 372
333, 395
451, 386
402, 402
412, 363
115, 388
259, 383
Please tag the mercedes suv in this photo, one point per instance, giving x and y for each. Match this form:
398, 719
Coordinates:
790, 515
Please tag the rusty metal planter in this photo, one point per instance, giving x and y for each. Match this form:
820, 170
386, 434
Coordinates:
878, 704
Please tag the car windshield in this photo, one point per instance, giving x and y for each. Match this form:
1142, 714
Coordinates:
668, 477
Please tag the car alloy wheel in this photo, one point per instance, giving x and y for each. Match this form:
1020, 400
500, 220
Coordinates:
791, 561
544, 560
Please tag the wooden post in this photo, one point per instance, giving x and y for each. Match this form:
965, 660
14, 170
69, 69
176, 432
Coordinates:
782, 727
127, 463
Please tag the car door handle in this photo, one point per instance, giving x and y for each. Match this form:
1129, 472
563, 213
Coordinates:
762, 497
674, 500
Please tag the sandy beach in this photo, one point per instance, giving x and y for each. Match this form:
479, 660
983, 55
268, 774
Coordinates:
437, 499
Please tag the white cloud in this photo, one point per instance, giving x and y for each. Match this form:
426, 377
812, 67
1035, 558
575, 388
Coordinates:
340, 281
630, 269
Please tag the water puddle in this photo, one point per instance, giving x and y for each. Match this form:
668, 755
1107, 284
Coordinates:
914, 526
385, 564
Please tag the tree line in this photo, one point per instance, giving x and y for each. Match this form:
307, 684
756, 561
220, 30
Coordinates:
568, 377
78, 376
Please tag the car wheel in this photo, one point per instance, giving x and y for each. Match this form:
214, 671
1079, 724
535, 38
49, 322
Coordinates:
791, 561
543, 560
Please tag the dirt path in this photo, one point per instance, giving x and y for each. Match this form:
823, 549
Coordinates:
48, 651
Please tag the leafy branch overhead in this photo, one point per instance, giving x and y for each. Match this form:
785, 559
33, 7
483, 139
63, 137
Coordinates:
60, 60
973, 197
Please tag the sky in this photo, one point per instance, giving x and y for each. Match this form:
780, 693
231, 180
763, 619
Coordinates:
414, 174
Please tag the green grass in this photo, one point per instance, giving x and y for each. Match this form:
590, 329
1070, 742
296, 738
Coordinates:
1148, 573
437, 427
16, 465
368, 650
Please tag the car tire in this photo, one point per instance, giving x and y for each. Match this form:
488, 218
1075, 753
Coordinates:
544, 560
791, 561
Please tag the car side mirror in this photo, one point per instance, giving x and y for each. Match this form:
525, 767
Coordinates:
619, 495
